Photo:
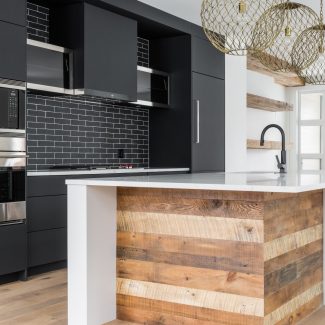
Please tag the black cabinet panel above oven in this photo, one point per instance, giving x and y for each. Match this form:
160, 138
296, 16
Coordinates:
12, 51
13, 11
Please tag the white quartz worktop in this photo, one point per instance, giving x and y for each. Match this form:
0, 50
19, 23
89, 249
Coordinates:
54, 172
251, 181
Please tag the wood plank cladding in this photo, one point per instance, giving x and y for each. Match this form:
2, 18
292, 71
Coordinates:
287, 79
267, 104
268, 145
194, 257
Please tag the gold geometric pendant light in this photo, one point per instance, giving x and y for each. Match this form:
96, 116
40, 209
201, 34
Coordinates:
288, 20
308, 53
229, 24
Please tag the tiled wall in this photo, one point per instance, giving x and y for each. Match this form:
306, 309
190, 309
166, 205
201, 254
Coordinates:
37, 22
66, 130
143, 52
69, 131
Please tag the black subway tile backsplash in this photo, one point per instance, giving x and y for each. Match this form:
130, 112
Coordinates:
76, 138
71, 130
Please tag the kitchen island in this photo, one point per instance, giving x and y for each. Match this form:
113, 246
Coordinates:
206, 249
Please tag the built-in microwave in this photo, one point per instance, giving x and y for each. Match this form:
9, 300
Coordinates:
153, 88
49, 68
12, 108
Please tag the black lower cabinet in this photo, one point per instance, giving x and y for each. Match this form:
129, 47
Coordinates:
13, 253
47, 247
47, 212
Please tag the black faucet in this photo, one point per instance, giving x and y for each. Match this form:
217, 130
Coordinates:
281, 164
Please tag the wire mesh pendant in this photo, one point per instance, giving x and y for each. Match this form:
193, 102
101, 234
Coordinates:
229, 24
308, 55
288, 20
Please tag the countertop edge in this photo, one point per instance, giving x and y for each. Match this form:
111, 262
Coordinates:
105, 172
214, 187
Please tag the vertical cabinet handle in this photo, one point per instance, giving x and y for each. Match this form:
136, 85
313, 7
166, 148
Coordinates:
197, 122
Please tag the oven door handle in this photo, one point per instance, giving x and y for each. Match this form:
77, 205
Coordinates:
12, 223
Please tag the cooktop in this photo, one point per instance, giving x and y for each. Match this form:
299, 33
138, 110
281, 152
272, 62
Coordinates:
89, 167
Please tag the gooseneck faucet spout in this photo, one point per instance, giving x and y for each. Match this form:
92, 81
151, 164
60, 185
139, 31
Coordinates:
281, 164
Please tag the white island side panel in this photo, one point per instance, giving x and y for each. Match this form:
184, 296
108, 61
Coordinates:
91, 255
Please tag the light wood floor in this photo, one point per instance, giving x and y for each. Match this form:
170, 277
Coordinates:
42, 300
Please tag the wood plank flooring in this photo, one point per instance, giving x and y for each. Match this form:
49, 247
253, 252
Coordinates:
43, 301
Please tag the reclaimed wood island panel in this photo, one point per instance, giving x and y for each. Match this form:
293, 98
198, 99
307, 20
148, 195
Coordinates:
204, 257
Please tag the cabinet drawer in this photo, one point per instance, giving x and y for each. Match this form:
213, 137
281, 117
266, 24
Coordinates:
46, 185
47, 212
47, 247
13, 11
206, 59
12, 52
13, 253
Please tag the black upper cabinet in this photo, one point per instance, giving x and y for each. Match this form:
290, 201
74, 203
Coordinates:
206, 59
208, 126
105, 49
12, 51
13, 11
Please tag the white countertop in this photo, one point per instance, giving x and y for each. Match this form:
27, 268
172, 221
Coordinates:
251, 181
105, 171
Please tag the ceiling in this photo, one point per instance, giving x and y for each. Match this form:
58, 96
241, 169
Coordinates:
190, 9
186, 9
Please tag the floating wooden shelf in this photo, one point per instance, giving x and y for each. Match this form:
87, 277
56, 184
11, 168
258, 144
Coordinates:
268, 145
267, 104
288, 79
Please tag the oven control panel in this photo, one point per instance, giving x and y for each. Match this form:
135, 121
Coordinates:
13, 109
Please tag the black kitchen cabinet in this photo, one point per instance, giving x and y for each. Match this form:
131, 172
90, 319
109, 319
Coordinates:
13, 11
48, 212
208, 124
12, 51
192, 132
47, 246
105, 49
46, 186
47, 217
206, 59
13, 253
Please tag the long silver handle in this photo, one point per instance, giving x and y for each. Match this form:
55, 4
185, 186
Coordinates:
197, 121
11, 223
14, 156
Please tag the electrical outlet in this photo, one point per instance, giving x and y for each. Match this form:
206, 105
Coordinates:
121, 153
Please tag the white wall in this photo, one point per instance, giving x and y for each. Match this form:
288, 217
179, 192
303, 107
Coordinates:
185, 9
262, 85
236, 113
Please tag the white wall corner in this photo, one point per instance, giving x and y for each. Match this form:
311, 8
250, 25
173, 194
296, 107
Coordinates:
236, 117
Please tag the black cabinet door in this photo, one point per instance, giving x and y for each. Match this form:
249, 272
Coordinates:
47, 212
13, 253
46, 185
13, 11
12, 52
110, 53
46, 247
208, 121
206, 59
